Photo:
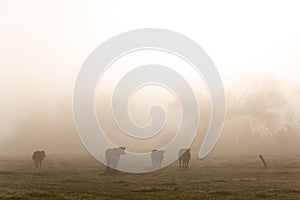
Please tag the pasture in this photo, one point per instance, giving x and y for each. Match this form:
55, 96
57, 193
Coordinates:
82, 177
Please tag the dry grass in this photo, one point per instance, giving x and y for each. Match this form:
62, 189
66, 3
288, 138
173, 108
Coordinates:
79, 177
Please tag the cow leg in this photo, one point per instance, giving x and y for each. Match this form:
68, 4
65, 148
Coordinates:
114, 163
107, 161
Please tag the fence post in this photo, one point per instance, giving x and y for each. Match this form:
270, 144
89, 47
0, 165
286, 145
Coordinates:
263, 161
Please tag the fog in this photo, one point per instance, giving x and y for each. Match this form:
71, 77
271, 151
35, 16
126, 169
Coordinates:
43, 45
262, 117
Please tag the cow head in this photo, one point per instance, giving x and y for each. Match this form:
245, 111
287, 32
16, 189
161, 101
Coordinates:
122, 150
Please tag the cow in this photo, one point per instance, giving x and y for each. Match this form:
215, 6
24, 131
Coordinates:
184, 158
113, 156
157, 157
38, 157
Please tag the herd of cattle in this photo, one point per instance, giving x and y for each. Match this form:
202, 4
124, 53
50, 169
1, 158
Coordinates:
157, 156
113, 156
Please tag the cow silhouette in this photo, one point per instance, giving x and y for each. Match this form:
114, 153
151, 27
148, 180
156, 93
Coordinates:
184, 157
157, 156
38, 157
113, 156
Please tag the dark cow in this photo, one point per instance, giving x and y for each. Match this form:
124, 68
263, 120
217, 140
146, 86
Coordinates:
157, 156
38, 157
184, 157
113, 156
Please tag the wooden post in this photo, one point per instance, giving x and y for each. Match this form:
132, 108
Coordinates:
263, 161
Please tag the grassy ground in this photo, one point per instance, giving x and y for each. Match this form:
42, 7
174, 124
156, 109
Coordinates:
81, 177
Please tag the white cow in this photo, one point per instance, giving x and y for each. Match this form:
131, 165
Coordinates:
113, 156
157, 157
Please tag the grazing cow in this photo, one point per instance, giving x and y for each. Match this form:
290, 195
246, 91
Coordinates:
157, 157
113, 156
38, 157
184, 157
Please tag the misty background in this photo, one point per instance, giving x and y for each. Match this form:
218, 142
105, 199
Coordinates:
256, 50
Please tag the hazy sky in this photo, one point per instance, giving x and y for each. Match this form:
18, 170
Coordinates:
44, 43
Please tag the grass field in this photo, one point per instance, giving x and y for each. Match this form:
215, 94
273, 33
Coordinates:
81, 177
